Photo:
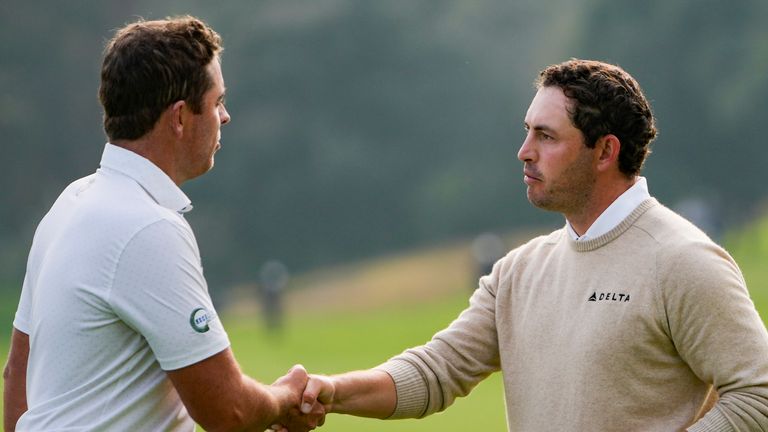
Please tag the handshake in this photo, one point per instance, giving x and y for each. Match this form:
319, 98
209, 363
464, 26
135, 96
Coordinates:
305, 399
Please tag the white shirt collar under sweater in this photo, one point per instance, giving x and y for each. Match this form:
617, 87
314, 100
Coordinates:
625, 204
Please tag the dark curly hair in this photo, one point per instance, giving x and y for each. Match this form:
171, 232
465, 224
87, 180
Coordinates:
149, 65
606, 100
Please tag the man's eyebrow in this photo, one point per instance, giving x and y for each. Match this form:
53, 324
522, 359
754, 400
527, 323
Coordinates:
540, 127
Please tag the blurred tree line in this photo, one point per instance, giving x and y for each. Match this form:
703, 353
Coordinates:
363, 127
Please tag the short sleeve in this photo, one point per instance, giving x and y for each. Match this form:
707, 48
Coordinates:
160, 291
21, 320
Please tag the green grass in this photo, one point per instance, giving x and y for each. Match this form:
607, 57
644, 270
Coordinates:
749, 247
331, 342
338, 343
8, 301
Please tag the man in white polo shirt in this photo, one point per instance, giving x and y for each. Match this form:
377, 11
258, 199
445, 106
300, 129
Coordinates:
629, 318
115, 329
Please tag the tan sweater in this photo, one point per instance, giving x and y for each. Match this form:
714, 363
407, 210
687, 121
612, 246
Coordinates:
625, 332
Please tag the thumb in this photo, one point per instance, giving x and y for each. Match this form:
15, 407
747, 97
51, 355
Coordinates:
298, 372
297, 375
293, 383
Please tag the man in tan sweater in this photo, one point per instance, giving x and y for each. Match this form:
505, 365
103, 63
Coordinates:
628, 318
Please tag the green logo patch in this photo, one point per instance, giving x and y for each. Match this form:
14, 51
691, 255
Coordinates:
199, 319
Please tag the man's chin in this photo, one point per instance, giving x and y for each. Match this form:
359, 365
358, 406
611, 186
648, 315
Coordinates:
205, 168
539, 202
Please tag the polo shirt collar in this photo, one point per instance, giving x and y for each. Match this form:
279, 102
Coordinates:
156, 182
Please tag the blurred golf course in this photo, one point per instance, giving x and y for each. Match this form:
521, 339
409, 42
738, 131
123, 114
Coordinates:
359, 315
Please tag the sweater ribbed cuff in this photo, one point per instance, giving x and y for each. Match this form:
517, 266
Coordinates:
714, 421
411, 389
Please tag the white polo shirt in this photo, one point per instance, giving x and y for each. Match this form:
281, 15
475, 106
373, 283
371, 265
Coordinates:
114, 294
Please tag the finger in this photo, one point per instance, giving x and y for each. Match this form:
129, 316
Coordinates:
320, 414
312, 391
316, 418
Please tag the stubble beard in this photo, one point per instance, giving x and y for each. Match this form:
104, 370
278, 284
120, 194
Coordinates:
570, 192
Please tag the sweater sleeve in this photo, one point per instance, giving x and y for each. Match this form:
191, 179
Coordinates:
429, 378
719, 334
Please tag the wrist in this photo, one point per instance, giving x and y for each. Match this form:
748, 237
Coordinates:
335, 403
369, 393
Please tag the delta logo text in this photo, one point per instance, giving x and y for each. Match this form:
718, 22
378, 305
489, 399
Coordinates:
199, 319
608, 296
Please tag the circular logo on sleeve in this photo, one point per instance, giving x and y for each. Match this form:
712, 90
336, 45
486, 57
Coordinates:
199, 320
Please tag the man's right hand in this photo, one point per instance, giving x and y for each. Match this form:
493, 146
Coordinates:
366, 393
320, 390
298, 414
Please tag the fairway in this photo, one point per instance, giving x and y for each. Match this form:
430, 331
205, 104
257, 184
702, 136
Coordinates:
330, 344
346, 341
332, 339
749, 247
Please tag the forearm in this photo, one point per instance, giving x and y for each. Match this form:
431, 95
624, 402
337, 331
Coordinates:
220, 397
422, 380
369, 393
15, 381
14, 398
254, 406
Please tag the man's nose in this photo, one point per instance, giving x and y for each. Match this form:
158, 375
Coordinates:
224, 115
526, 152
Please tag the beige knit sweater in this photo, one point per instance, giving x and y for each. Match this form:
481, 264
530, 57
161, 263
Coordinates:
625, 332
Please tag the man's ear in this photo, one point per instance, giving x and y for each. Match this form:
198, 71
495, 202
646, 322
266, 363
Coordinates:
608, 148
176, 112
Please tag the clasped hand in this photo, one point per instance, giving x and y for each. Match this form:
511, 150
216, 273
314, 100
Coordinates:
311, 396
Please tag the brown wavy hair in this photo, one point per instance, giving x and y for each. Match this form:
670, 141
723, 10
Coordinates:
148, 65
605, 100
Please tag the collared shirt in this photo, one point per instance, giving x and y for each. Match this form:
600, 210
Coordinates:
152, 179
625, 204
114, 295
